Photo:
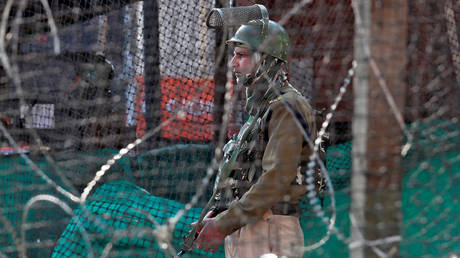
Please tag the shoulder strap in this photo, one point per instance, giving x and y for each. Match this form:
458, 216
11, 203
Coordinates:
227, 163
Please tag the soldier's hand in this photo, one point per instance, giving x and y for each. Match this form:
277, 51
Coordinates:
210, 238
193, 224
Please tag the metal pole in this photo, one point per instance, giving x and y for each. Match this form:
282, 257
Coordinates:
152, 67
359, 125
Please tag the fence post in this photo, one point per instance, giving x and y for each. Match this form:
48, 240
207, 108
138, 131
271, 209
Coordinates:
380, 49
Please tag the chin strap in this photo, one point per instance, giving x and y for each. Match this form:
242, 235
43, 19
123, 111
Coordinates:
262, 70
259, 96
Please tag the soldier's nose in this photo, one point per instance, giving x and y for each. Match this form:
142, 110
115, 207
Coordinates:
233, 62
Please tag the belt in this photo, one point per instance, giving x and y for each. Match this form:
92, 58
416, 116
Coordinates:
288, 209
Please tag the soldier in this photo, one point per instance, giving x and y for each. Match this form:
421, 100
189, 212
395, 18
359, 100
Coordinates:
265, 186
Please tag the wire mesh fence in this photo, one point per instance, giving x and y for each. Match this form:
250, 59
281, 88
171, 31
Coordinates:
114, 117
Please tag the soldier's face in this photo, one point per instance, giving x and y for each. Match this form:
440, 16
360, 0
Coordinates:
242, 62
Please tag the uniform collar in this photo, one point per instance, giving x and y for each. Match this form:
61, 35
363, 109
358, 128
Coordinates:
258, 97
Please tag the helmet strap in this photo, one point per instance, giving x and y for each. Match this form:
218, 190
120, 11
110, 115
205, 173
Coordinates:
263, 67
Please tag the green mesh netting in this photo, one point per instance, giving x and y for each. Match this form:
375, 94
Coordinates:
338, 164
15, 174
173, 172
430, 208
123, 206
19, 183
429, 199
430, 196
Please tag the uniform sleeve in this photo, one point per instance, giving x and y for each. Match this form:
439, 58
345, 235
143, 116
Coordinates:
279, 164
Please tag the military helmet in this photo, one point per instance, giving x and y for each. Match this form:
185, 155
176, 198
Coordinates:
274, 42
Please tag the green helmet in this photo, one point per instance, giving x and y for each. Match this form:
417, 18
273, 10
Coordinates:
274, 43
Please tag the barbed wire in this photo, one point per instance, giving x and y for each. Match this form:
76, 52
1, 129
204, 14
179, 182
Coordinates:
163, 233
